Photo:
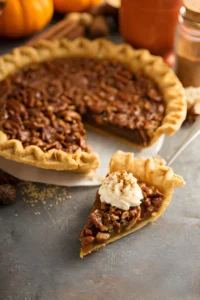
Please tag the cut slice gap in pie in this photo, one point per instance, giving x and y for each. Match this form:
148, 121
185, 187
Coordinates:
135, 192
48, 93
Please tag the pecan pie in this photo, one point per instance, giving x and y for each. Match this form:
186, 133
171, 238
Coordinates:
108, 223
48, 92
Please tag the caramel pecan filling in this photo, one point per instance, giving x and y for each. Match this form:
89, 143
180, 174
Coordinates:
106, 220
43, 104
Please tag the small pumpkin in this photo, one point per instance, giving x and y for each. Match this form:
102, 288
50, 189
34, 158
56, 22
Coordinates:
96, 2
21, 18
63, 6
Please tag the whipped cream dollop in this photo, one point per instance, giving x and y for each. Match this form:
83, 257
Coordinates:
120, 189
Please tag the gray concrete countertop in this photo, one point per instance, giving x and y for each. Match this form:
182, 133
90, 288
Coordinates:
39, 245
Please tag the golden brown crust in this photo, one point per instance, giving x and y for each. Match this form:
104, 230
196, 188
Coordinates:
52, 159
136, 60
152, 171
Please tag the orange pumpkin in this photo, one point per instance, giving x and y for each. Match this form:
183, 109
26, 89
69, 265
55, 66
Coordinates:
97, 2
63, 6
20, 18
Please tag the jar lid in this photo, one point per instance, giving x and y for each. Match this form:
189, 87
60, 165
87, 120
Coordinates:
192, 12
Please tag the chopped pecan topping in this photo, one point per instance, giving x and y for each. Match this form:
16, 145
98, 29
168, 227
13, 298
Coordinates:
102, 237
87, 240
43, 104
107, 220
96, 219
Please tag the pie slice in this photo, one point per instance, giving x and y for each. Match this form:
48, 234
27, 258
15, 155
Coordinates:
49, 92
135, 192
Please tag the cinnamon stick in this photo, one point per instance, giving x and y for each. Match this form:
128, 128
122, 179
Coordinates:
64, 31
68, 28
79, 31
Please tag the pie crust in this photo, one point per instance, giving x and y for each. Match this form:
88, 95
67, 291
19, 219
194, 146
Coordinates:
151, 171
136, 60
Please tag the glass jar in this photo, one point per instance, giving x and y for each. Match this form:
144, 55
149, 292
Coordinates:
187, 45
150, 24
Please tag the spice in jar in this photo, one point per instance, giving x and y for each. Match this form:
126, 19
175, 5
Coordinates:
187, 46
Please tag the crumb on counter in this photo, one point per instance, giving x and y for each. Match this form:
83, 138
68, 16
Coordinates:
50, 195
37, 213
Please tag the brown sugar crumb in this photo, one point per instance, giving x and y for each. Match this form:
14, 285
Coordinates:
37, 213
51, 195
